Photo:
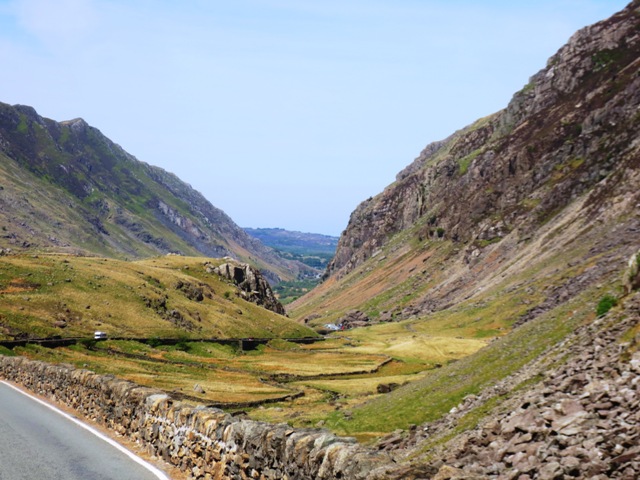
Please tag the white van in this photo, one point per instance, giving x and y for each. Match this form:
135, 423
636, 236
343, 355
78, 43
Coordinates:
100, 335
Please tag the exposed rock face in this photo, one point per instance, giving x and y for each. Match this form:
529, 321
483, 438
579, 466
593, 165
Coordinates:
252, 285
631, 280
467, 225
574, 126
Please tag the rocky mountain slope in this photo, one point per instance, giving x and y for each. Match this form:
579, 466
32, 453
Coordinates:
521, 229
582, 420
66, 187
573, 126
541, 176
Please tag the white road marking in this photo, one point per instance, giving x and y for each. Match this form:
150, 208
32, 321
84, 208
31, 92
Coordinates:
155, 471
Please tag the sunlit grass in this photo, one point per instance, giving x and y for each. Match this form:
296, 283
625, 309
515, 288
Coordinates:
441, 389
220, 385
65, 295
405, 341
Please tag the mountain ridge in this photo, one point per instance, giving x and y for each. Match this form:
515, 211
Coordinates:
509, 249
521, 229
464, 157
120, 206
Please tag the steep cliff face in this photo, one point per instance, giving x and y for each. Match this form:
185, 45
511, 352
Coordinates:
549, 184
65, 185
572, 128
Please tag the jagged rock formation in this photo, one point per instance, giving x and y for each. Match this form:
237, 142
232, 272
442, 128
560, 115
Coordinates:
353, 319
65, 186
252, 285
572, 128
632, 278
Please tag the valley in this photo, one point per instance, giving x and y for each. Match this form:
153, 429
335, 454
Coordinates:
478, 318
313, 250
306, 383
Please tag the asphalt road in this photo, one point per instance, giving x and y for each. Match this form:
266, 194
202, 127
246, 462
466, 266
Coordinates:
37, 442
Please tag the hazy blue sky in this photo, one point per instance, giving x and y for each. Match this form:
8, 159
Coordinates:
282, 113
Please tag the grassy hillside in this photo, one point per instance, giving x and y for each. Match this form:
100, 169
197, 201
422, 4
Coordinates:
47, 295
431, 397
517, 298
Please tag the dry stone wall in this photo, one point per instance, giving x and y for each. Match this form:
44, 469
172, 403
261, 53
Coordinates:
204, 442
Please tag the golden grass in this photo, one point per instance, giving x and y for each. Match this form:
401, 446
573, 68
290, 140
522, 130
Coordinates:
311, 363
135, 299
452, 338
405, 341
220, 386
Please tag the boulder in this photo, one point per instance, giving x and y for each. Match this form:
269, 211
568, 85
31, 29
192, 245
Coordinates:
251, 283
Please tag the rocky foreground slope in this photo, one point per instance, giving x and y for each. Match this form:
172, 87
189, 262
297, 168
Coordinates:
582, 420
66, 187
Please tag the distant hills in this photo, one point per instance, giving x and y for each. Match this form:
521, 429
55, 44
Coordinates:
313, 249
294, 242
65, 187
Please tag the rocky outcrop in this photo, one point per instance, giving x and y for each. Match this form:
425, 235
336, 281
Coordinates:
574, 126
353, 319
631, 279
204, 443
252, 285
